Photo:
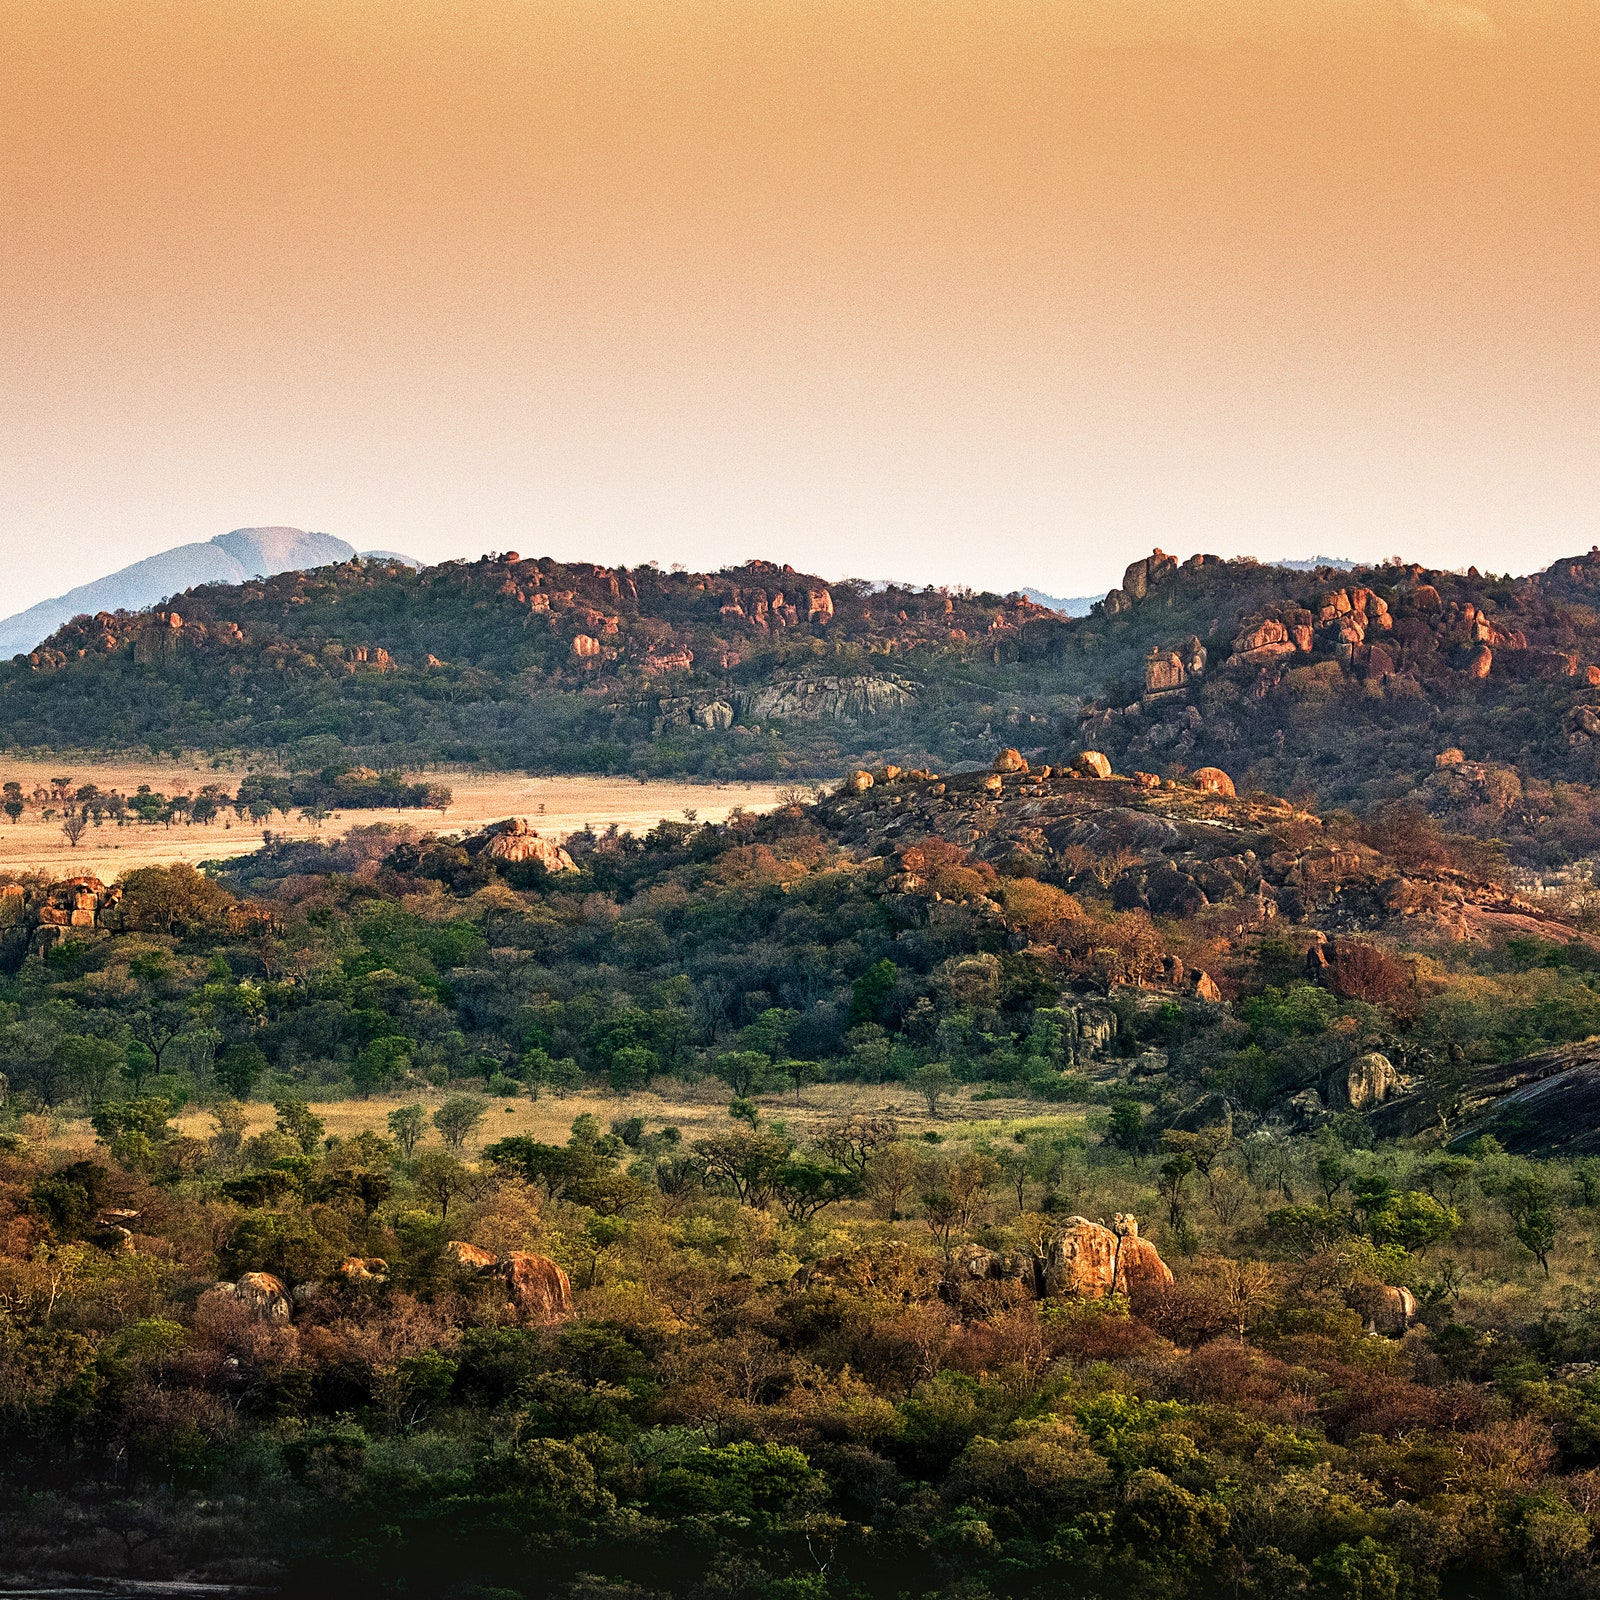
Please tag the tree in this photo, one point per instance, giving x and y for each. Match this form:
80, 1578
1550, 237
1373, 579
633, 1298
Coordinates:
803, 1186
1126, 1128
90, 1065
1527, 1199
1172, 1184
1413, 1220
73, 826
440, 1177
1332, 1174
892, 1172
870, 996
299, 1122
406, 1123
744, 1071
380, 1061
933, 1082
457, 1118
239, 1068
14, 809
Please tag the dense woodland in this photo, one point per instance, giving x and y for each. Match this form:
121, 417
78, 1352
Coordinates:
781, 1374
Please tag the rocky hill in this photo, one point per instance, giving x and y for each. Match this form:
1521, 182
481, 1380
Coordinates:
534, 662
1472, 696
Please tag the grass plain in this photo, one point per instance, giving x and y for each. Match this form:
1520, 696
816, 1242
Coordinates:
698, 1109
556, 806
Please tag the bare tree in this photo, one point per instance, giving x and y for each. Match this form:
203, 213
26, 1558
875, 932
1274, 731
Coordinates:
73, 827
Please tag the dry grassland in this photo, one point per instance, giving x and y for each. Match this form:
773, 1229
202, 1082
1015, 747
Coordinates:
697, 1109
555, 806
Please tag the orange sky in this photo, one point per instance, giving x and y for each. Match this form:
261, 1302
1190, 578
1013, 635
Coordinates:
987, 291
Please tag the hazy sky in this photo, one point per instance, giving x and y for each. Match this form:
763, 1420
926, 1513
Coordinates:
988, 291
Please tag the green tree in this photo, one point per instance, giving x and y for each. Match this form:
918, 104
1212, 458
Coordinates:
239, 1069
406, 1124
871, 993
297, 1120
744, 1071
380, 1061
440, 1178
933, 1082
1533, 1215
457, 1118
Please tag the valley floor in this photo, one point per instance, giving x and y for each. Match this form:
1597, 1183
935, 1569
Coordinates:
556, 806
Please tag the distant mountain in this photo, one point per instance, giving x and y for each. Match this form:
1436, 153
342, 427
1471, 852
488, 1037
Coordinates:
393, 555
1077, 606
229, 558
1338, 563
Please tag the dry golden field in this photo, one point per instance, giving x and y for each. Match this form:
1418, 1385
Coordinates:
555, 806
698, 1110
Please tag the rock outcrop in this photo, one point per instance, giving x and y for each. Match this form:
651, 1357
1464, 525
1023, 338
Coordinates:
516, 839
538, 1288
1090, 1261
856, 698
263, 1295
1367, 1081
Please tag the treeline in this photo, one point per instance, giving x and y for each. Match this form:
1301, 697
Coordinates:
256, 797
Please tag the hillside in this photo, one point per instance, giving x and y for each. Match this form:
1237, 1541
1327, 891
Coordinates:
229, 558
1474, 696
418, 1331
758, 670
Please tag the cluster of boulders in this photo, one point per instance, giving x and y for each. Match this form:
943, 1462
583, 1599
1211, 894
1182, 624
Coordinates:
516, 839
34, 918
1178, 848
1082, 1260
535, 1288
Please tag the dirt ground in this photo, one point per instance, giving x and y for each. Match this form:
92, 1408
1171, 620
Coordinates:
555, 806
698, 1110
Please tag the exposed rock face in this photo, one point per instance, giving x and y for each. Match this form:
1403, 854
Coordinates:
1092, 764
1213, 780
539, 1289
1388, 1310
1167, 671
363, 1269
858, 782
536, 1286
1367, 1081
858, 698
516, 839
1091, 1261
263, 1295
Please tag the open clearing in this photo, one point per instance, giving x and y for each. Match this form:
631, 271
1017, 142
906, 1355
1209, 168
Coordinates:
556, 806
697, 1109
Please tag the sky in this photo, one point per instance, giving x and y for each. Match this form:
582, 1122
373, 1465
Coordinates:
996, 292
